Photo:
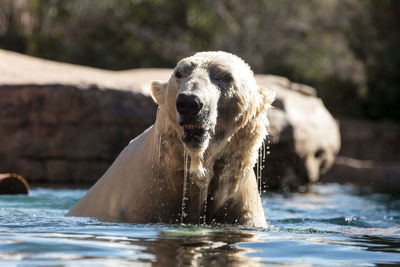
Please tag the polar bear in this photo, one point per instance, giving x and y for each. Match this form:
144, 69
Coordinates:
195, 164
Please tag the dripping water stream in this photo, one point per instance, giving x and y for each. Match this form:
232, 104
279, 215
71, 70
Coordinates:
154, 167
185, 184
260, 166
266, 153
156, 179
194, 197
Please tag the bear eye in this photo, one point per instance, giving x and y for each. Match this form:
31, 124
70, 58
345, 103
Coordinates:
178, 74
227, 78
221, 76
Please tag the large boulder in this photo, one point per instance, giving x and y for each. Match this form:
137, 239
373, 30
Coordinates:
304, 137
61, 123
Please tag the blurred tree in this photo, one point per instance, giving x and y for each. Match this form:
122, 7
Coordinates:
113, 34
346, 49
374, 37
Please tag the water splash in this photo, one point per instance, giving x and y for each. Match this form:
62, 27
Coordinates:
185, 184
203, 205
205, 211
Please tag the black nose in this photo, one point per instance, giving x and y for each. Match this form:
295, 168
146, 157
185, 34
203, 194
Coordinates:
188, 104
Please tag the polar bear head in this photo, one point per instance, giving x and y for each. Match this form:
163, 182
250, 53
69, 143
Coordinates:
209, 97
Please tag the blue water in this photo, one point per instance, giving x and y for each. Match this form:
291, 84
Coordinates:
334, 225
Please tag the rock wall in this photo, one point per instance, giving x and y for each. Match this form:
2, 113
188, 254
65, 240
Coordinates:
369, 155
61, 123
64, 134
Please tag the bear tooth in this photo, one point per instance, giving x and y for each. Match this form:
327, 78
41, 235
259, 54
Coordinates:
191, 126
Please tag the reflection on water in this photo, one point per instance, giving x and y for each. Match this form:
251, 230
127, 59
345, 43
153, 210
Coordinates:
182, 246
201, 246
333, 225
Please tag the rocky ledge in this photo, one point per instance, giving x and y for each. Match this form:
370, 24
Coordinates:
369, 155
61, 123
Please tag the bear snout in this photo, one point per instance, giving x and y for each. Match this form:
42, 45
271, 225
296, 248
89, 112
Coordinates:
188, 104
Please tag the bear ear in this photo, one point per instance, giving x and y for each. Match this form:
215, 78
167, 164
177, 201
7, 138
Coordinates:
157, 89
269, 95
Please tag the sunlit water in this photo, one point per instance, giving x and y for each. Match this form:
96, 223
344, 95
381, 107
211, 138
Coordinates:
332, 225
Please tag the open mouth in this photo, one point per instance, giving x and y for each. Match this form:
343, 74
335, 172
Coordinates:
193, 134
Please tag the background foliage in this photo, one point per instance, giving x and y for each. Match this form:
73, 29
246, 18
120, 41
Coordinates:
348, 50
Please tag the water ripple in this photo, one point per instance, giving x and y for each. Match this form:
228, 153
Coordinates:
332, 225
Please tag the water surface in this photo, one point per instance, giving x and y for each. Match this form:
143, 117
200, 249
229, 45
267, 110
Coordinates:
334, 225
